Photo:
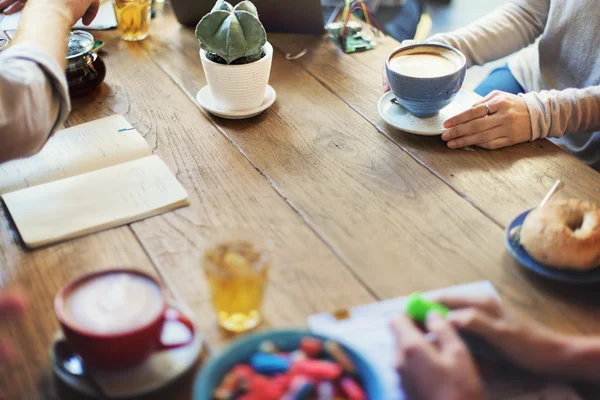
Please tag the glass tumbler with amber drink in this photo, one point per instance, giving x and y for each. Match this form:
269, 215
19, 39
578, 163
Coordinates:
133, 18
237, 274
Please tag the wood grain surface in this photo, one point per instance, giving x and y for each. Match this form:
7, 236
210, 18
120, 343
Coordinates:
357, 211
397, 226
501, 183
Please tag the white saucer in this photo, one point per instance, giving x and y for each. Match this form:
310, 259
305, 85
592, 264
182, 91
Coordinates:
398, 117
161, 369
205, 100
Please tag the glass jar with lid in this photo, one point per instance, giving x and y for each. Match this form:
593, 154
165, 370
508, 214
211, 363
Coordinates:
85, 69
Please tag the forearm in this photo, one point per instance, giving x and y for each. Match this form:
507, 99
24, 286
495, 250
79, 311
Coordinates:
34, 99
578, 359
46, 27
554, 113
501, 33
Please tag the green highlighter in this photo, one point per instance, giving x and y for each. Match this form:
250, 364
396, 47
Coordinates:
418, 307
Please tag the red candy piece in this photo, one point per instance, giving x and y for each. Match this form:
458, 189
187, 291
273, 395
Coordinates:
243, 371
263, 388
282, 380
352, 389
311, 347
317, 369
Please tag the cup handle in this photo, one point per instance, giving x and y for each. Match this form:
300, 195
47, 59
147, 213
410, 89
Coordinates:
174, 315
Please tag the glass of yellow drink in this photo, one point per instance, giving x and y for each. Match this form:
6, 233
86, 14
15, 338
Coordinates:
237, 272
133, 17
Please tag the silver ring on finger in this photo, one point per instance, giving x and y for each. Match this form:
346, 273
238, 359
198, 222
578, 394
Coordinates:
487, 109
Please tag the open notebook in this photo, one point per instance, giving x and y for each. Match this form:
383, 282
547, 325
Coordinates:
367, 328
88, 178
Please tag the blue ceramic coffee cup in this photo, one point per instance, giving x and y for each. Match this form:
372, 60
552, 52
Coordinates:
425, 77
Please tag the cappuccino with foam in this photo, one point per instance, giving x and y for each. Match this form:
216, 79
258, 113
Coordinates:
424, 64
113, 303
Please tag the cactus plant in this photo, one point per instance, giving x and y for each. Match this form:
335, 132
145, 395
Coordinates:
232, 33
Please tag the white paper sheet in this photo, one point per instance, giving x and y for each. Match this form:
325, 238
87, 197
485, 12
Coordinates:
106, 19
368, 331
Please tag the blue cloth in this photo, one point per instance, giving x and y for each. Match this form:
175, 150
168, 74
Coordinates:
499, 79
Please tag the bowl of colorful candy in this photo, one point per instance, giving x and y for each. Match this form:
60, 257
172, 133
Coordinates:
288, 364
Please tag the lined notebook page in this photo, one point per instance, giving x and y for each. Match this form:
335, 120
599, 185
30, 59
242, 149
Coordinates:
95, 201
83, 148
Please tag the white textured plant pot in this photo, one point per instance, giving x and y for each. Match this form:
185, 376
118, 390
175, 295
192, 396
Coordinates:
238, 87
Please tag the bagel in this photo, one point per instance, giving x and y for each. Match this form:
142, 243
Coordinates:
563, 234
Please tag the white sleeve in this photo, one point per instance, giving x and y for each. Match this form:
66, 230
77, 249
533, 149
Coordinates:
510, 28
34, 100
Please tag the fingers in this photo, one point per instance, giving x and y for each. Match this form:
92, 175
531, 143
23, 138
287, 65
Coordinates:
410, 342
479, 110
446, 335
475, 112
91, 12
471, 127
478, 138
497, 143
489, 97
5, 3
12, 303
15, 7
386, 83
485, 303
478, 322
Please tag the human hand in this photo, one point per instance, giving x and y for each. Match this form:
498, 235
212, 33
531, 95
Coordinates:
11, 303
11, 6
73, 10
438, 370
506, 122
526, 343
386, 84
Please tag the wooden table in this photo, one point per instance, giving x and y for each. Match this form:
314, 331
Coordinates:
358, 211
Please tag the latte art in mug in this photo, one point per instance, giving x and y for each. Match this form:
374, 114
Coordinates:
114, 303
423, 65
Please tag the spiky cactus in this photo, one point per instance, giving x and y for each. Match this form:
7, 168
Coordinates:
232, 32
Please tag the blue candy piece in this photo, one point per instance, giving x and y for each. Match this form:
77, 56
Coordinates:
269, 364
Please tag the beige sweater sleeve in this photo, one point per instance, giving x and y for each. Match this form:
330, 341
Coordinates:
501, 33
554, 113
34, 100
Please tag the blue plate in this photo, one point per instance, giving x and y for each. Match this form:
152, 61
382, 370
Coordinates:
519, 253
287, 340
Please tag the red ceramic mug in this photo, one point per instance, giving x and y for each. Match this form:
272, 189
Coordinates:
123, 349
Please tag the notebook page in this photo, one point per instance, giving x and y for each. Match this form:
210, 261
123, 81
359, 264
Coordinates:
368, 330
76, 150
95, 201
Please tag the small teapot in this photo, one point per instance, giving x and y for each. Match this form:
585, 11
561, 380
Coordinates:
85, 68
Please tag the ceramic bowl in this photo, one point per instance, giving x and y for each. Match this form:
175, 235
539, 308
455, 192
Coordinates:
425, 97
287, 340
